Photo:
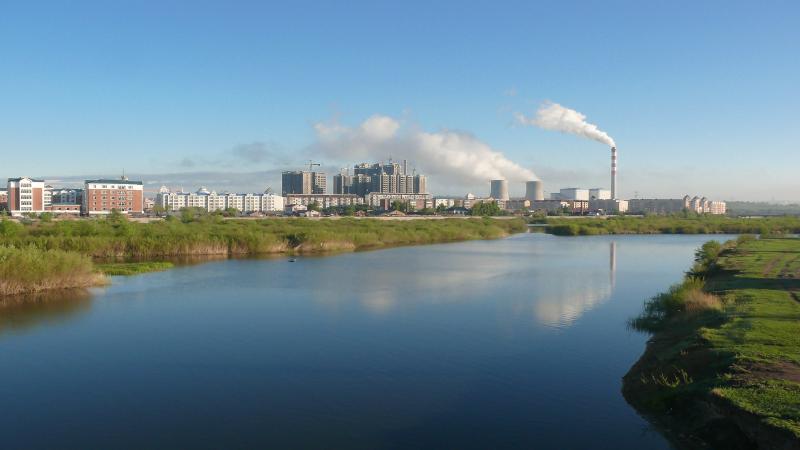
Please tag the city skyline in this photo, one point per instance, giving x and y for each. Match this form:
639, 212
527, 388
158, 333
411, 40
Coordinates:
195, 94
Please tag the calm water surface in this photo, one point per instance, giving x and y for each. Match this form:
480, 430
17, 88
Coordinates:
516, 343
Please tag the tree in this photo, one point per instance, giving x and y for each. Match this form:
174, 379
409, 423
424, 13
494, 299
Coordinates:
159, 210
314, 206
401, 206
485, 209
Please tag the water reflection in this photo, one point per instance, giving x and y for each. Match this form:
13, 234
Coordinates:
563, 299
19, 313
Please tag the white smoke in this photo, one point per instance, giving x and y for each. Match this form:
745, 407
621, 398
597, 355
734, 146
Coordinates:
453, 157
552, 116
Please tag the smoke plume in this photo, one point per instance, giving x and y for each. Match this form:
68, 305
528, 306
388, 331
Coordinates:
453, 157
552, 116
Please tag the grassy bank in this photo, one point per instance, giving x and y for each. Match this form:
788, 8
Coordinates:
117, 238
211, 235
676, 224
25, 270
723, 366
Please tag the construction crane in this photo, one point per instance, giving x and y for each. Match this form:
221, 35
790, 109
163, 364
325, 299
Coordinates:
311, 165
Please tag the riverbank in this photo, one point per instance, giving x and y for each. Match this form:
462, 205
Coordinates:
673, 224
117, 241
722, 369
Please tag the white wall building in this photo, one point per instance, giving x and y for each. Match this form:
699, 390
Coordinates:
211, 201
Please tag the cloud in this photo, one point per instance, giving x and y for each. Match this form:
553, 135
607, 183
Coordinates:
450, 158
552, 116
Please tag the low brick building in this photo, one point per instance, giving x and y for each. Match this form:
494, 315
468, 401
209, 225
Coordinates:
103, 196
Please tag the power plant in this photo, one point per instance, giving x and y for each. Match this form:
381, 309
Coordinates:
534, 190
499, 190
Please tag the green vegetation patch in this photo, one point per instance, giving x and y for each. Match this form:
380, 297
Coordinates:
729, 332
672, 224
30, 269
776, 401
134, 268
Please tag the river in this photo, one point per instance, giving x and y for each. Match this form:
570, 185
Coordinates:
512, 343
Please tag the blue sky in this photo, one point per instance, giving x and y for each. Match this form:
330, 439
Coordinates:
701, 97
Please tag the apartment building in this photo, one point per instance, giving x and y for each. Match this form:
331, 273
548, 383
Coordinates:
105, 195
25, 196
211, 201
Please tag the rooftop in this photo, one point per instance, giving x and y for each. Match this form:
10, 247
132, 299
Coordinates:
114, 181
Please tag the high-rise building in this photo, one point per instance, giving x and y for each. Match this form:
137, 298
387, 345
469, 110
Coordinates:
389, 178
303, 182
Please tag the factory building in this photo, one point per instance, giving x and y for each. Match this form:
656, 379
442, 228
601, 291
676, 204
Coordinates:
571, 194
303, 182
700, 205
569, 206
609, 206
599, 194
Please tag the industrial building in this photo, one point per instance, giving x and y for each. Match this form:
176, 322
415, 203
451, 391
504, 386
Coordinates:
571, 194
700, 205
609, 206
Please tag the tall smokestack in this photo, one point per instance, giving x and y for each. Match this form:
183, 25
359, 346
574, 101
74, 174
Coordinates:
614, 173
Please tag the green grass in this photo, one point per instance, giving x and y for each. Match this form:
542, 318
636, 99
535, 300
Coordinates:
672, 224
211, 235
746, 353
134, 268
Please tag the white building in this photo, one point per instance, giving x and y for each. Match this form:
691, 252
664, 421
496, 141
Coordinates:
571, 194
599, 194
211, 201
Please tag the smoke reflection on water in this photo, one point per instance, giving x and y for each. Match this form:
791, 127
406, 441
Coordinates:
563, 300
553, 296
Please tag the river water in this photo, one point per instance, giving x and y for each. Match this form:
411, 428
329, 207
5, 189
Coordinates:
513, 343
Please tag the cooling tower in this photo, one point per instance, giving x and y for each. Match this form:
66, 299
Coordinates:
534, 191
499, 190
